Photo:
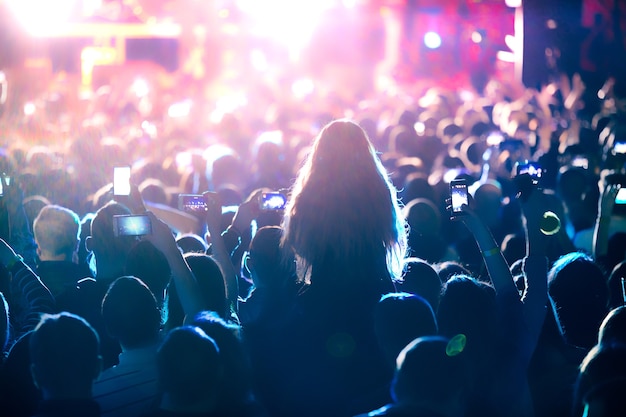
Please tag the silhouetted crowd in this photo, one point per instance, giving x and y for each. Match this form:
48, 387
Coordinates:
363, 295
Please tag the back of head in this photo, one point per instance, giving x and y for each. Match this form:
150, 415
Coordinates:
147, 263
448, 269
431, 373
130, 313
579, 293
270, 264
210, 280
189, 367
399, 318
421, 278
236, 382
109, 245
191, 242
65, 354
57, 231
468, 306
343, 212
602, 370
613, 327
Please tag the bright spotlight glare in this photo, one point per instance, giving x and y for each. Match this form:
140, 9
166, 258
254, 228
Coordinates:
41, 16
180, 109
259, 61
302, 87
29, 109
140, 87
287, 21
477, 37
432, 40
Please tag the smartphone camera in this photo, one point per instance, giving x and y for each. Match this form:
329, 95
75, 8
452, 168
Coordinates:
458, 195
272, 201
132, 225
121, 181
194, 203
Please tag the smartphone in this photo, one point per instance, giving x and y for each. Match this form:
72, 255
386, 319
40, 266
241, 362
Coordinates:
272, 201
4, 180
132, 225
192, 202
458, 195
121, 181
620, 198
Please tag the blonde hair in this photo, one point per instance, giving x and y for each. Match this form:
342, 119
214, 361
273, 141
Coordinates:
343, 208
57, 230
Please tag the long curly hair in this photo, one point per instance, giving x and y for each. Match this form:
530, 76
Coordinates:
344, 214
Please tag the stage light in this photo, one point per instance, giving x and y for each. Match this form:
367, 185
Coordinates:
42, 16
140, 87
29, 109
180, 109
302, 87
258, 60
288, 22
432, 40
513, 3
477, 37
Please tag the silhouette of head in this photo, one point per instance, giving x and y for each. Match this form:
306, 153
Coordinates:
579, 295
268, 264
421, 278
65, 356
431, 375
130, 313
398, 319
189, 367
613, 327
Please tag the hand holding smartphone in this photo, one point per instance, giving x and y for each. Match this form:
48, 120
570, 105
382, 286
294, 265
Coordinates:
132, 225
459, 196
272, 201
193, 203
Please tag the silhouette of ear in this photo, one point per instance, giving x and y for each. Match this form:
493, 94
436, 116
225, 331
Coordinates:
89, 244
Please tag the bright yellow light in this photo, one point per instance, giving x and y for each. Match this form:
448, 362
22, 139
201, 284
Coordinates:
41, 16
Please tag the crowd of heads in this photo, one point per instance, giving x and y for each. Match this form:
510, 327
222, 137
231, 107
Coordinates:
362, 292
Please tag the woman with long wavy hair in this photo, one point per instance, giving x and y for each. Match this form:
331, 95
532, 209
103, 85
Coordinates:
345, 226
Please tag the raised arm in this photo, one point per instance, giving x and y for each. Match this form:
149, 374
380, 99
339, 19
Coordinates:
219, 250
186, 284
497, 268
20, 236
608, 192
539, 228
29, 298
